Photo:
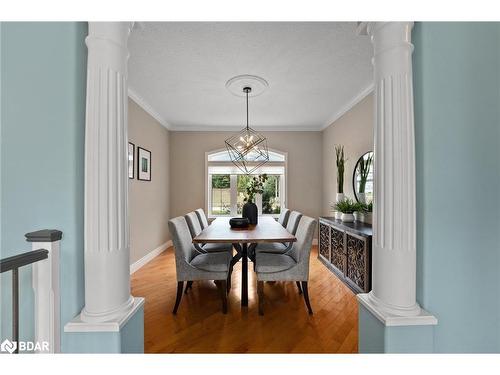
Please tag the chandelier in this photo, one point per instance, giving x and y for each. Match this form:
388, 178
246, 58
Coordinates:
247, 149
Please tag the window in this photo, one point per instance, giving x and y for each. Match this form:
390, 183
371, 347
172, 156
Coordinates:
226, 185
221, 194
271, 196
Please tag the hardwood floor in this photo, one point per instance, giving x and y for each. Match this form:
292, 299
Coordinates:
286, 327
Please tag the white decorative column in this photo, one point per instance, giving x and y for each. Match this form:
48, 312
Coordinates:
393, 295
107, 275
46, 288
108, 303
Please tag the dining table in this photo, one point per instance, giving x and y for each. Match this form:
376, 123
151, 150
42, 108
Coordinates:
244, 241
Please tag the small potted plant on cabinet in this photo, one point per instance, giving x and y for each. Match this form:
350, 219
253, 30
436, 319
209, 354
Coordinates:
340, 161
358, 211
347, 207
367, 213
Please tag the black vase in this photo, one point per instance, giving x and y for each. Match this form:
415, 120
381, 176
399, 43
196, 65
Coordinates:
250, 212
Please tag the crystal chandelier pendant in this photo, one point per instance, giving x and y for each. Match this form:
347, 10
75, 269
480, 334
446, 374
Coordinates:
248, 148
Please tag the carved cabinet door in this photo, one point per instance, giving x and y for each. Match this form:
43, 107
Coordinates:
358, 262
324, 241
338, 255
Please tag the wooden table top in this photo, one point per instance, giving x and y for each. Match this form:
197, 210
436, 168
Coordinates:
267, 230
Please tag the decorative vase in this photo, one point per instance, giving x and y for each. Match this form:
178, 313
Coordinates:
357, 216
347, 218
250, 212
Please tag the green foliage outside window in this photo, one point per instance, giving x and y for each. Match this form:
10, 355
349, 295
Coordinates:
221, 181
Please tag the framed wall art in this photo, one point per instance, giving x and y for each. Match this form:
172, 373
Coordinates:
143, 164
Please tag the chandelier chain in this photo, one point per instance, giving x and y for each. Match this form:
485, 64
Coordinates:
247, 89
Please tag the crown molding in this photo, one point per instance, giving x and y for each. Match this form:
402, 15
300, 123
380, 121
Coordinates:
145, 106
208, 128
355, 100
199, 128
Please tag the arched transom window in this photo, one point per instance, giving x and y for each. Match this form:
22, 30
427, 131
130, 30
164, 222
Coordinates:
226, 183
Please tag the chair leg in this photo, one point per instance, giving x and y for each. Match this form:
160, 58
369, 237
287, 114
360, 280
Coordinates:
228, 285
298, 287
306, 297
180, 286
260, 293
222, 286
189, 285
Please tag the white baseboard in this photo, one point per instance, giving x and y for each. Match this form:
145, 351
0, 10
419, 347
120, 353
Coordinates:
315, 242
149, 256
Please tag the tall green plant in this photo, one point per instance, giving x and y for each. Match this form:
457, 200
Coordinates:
364, 170
255, 186
339, 152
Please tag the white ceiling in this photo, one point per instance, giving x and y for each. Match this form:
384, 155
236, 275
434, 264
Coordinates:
316, 71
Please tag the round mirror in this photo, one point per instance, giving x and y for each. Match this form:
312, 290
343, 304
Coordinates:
362, 179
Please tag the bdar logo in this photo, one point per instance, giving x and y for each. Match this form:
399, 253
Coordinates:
8, 346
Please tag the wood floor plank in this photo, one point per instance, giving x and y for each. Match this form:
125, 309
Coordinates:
286, 327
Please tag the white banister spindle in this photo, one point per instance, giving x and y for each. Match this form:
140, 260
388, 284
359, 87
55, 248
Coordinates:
107, 275
46, 284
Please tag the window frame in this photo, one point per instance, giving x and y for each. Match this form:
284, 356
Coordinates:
233, 185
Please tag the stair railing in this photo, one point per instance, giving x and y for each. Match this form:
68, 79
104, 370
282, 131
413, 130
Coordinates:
13, 264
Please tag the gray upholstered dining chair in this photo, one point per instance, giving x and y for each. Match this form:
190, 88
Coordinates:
191, 265
278, 247
293, 222
202, 217
195, 229
283, 219
291, 266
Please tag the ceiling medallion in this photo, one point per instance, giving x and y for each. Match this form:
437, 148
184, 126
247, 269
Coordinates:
247, 149
237, 84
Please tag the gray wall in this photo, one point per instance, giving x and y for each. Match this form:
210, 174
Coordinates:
187, 168
457, 129
148, 200
354, 130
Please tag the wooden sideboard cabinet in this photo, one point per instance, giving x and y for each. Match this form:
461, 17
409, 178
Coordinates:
346, 249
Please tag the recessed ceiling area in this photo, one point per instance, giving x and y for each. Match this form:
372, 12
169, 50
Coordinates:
315, 71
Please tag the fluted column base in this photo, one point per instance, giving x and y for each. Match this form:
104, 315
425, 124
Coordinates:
111, 315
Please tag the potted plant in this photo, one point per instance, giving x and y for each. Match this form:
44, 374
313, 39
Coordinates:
255, 186
359, 209
347, 207
367, 213
340, 161
364, 166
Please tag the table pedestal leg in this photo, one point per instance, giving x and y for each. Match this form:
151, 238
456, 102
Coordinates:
244, 274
